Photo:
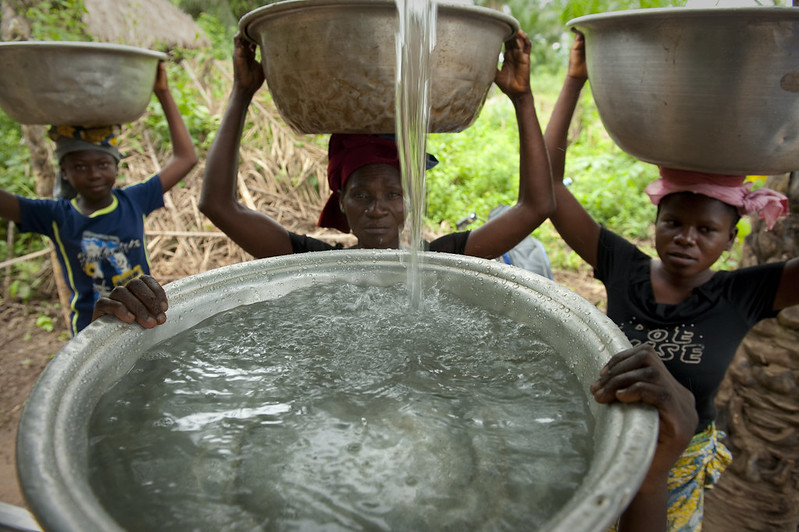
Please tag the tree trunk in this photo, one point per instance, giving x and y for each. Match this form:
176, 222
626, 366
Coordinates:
759, 403
15, 27
41, 153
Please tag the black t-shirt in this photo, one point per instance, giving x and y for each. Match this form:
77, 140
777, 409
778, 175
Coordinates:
697, 338
452, 243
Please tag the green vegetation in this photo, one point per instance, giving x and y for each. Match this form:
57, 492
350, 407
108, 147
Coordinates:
57, 20
479, 166
479, 170
15, 177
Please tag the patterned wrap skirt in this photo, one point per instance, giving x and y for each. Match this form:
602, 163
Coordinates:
697, 470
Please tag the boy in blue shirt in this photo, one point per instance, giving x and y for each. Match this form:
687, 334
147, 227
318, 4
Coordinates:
99, 234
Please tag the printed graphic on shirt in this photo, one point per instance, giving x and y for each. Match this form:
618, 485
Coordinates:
104, 259
675, 343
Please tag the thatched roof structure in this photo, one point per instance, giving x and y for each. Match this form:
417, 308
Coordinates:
143, 23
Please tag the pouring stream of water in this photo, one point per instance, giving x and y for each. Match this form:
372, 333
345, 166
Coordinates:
415, 41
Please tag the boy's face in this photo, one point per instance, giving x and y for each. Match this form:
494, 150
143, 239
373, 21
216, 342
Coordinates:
92, 173
692, 231
372, 202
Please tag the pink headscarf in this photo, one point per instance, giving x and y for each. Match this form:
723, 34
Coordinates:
730, 189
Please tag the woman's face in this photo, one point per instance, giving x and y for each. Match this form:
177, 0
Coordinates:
373, 204
692, 231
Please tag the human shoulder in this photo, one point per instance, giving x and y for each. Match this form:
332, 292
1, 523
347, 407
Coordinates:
620, 259
305, 244
750, 290
42, 215
150, 183
451, 243
613, 241
147, 195
750, 277
41, 205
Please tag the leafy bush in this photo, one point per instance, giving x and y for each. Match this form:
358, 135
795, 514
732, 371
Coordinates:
190, 99
478, 167
479, 170
57, 20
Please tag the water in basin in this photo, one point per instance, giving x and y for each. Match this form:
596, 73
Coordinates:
341, 407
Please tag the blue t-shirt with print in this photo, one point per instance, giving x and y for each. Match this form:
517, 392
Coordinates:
99, 251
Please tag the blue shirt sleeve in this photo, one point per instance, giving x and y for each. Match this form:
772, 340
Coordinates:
38, 215
148, 195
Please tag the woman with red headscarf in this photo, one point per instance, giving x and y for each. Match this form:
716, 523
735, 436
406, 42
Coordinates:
675, 305
364, 176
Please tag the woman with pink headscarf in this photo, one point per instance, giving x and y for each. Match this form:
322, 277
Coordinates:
675, 305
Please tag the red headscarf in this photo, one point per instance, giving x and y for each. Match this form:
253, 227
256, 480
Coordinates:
730, 189
347, 153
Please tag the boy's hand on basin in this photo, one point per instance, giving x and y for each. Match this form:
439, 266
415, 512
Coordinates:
142, 300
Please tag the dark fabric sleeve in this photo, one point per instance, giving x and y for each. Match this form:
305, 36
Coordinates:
756, 285
305, 243
612, 249
451, 243
37, 215
148, 195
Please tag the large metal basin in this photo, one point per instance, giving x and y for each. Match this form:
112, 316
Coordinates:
53, 441
714, 90
75, 83
330, 64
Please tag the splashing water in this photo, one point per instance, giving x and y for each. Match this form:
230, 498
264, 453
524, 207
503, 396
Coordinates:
415, 41
257, 420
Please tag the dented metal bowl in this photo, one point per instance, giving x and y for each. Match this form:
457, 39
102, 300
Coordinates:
75, 83
53, 442
714, 90
330, 64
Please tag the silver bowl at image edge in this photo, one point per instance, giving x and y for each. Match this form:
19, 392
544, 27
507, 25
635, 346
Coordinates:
53, 442
713, 90
75, 83
330, 65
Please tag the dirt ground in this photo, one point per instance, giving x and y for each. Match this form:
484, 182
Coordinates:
27, 348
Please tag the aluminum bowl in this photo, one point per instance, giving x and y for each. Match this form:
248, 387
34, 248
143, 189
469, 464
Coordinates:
330, 64
714, 90
53, 446
75, 83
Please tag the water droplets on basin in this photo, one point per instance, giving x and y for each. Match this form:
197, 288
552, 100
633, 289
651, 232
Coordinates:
365, 415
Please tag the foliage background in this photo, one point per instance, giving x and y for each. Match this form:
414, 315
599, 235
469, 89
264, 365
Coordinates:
479, 167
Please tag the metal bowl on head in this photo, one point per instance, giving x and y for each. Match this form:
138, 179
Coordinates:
75, 83
330, 64
713, 90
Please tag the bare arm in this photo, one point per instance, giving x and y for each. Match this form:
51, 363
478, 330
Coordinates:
536, 199
639, 376
575, 225
184, 157
255, 232
9, 206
